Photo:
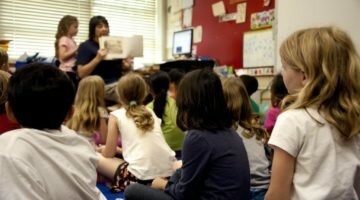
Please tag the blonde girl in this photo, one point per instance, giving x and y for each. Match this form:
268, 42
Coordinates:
144, 149
90, 116
4, 65
65, 46
316, 139
6, 124
248, 127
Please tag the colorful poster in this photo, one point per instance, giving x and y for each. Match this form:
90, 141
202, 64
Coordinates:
262, 19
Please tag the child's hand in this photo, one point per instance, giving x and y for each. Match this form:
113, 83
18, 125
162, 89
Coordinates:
177, 164
99, 148
159, 183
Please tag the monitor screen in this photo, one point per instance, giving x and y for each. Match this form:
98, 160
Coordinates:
182, 42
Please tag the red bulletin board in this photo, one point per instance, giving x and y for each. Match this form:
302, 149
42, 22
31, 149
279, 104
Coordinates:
223, 41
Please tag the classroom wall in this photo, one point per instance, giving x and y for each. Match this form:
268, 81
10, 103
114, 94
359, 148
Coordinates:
292, 15
223, 41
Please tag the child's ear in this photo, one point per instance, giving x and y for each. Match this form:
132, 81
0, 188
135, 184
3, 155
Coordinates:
10, 113
70, 113
304, 79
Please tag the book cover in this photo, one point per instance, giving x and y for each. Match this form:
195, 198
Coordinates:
119, 47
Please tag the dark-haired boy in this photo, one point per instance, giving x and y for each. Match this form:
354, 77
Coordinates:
43, 159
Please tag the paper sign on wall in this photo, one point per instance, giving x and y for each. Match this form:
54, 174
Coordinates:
228, 17
187, 3
197, 34
218, 9
187, 17
241, 13
262, 19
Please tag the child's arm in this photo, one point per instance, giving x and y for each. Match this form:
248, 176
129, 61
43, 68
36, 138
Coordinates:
103, 130
112, 137
159, 183
281, 177
104, 116
65, 54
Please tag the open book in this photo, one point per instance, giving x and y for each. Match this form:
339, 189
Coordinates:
119, 47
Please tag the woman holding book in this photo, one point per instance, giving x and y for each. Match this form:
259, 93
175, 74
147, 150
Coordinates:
90, 58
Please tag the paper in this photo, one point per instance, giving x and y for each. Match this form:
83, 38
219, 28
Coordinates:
262, 19
122, 47
241, 13
197, 34
187, 3
218, 9
176, 5
187, 19
228, 17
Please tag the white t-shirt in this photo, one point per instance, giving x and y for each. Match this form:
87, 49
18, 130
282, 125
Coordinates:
51, 164
326, 165
148, 154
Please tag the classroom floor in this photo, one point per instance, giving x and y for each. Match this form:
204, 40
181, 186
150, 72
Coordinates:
108, 194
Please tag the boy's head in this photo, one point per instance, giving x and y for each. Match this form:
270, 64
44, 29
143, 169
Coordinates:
40, 96
250, 82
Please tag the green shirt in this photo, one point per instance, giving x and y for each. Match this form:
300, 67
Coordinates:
172, 133
254, 106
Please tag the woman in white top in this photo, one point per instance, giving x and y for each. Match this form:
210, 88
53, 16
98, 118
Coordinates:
316, 140
144, 149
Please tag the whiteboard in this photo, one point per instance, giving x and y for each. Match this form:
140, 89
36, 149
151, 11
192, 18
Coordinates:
258, 49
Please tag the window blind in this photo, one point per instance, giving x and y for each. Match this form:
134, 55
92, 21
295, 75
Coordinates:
129, 17
32, 24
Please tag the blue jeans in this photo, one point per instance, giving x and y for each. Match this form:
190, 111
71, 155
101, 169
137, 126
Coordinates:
257, 194
142, 192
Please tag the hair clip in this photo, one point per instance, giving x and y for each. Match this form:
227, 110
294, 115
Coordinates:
132, 103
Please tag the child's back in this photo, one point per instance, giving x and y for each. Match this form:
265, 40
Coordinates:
51, 164
323, 157
44, 160
147, 153
316, 139
254, 137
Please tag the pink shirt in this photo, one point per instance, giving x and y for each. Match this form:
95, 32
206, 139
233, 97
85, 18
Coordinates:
69, 44
270, 118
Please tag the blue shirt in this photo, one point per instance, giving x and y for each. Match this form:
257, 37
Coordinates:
215, 166
109, 70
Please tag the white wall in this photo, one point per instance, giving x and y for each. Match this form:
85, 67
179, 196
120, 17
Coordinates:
292, 15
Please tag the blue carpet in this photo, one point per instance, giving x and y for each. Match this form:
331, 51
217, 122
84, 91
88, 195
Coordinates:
107, 193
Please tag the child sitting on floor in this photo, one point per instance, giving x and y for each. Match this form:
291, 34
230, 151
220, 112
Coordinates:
144, 149
43, 159
254, 137
6, 124
90, 116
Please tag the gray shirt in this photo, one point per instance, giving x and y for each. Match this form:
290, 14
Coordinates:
259, 163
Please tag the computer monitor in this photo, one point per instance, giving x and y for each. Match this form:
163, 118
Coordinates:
182, 43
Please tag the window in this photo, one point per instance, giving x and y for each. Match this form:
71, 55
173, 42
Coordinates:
32, 24
129, 17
